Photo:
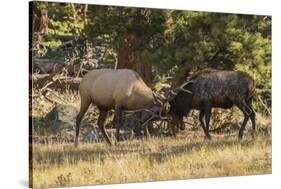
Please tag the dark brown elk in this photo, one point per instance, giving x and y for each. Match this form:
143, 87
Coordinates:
213, 89
120, 90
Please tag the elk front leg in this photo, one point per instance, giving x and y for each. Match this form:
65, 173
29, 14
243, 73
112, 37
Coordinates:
208, 113
201, 115
172, 128
117, 121
146, 131
101, 120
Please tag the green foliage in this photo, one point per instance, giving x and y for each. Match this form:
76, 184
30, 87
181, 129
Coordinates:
64, 19
217, 40
51, 43
222, 41
172, 39
119, 23
40, 5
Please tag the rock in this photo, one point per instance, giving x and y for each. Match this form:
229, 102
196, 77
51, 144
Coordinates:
44, 66
91, 135
59, 126
61, 118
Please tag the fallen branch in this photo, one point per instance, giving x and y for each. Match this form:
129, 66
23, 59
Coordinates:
55, 94
224, 126
264, 105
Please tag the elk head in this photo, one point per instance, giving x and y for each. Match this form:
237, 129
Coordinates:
162, 106
172, 93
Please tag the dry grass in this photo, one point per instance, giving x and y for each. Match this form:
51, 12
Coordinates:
188, 156
166, 158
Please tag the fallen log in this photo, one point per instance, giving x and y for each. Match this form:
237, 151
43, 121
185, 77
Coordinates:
44, 81
44, 66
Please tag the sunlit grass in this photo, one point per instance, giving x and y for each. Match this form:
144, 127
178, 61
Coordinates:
146, 160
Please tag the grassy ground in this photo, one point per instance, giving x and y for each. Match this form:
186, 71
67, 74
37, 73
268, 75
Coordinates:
166, 158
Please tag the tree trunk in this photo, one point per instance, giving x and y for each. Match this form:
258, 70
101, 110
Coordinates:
85, 10
74, 17
124, 61
130, 58
40, 20
145, 70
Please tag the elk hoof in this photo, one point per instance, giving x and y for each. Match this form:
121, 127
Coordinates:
110, 143
240, 136
208, 137
253, 134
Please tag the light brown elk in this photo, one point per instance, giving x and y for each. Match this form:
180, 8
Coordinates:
121, 90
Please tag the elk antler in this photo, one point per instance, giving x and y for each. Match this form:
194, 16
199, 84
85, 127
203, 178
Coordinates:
160, 98
173, 92
152, 115
181, 88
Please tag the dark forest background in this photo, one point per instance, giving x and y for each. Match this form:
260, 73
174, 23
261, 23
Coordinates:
159, 44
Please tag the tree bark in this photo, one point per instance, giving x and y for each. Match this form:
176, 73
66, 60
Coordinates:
145, 70
74, 17
129, 57
40, 20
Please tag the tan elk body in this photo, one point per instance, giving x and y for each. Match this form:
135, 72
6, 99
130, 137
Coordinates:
120, 89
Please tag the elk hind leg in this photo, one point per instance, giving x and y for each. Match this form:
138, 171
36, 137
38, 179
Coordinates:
85, 103
252, 117
244, 108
